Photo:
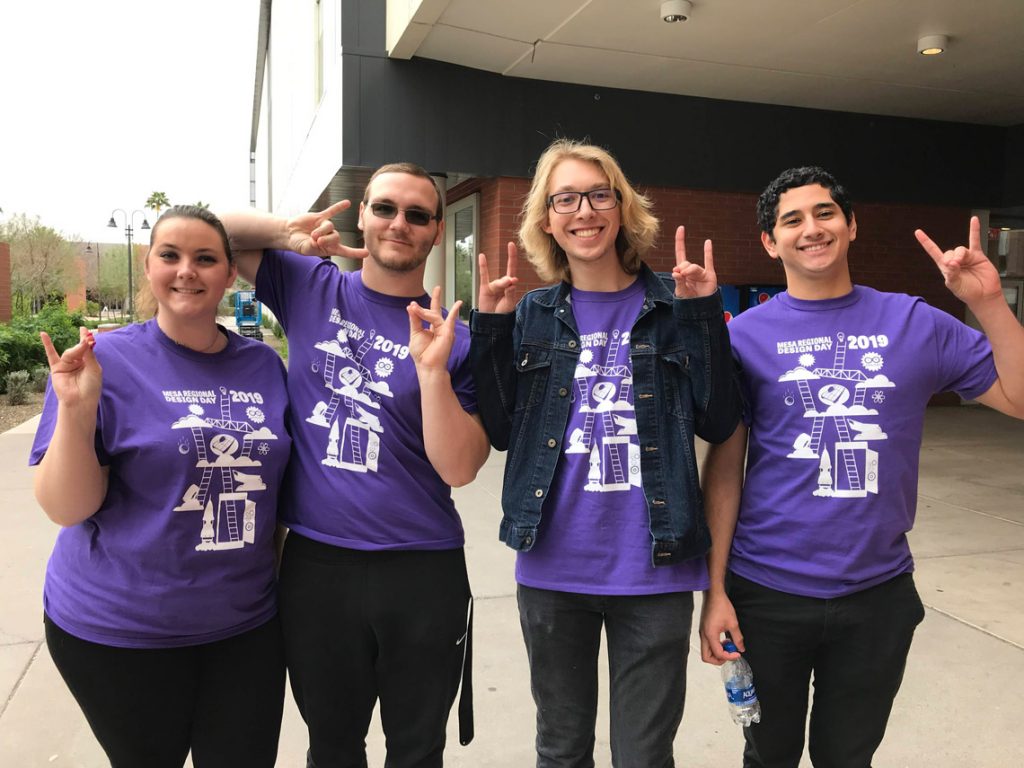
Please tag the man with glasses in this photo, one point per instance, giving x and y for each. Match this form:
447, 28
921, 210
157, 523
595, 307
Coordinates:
374, 595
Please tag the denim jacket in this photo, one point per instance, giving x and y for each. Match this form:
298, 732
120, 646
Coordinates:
683, 384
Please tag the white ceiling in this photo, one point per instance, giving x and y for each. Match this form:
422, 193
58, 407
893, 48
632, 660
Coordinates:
847, 55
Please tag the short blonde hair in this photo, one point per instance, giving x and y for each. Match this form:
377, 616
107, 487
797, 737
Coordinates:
637, 231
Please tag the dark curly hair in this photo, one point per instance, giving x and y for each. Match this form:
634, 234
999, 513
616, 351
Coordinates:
768, 202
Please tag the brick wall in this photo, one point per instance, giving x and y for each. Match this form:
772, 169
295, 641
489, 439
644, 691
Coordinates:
885, 255
76, 294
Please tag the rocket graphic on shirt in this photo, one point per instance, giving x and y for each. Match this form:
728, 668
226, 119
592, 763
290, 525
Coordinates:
603, 424
225, 460
840, 401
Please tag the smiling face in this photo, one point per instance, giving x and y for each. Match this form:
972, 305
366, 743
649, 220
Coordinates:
587, 236
188, 269
812, 237
394, 244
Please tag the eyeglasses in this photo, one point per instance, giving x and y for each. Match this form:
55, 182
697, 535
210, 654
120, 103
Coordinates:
599, 199
415, 216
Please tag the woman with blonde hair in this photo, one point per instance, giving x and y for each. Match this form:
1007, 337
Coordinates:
595, 387
160, 453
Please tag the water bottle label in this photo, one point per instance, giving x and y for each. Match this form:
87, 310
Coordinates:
741, 696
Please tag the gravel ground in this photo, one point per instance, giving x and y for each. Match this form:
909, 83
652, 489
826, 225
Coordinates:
13, 415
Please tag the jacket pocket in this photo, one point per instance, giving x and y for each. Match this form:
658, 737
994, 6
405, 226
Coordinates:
675, 372
533, 367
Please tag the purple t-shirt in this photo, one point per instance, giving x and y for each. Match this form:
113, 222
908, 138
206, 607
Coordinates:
181, 551
837, 391
595, 530
360, 477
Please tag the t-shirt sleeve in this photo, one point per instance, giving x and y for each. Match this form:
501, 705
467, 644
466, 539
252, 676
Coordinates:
461, 370
279, 276
738, 343
964, 356
44, 432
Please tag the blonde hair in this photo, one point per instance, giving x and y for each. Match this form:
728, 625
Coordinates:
638, 227
145, 302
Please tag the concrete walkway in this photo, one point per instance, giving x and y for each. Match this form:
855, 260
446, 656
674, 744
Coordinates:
960, 706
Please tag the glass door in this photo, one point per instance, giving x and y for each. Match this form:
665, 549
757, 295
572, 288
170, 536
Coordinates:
462, 225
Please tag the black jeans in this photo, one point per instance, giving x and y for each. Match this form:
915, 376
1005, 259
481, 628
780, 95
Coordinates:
648, 639
360, 626
856, 646
148, 706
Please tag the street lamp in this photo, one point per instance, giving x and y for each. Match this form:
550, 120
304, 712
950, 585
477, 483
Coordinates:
128, 233
99, 294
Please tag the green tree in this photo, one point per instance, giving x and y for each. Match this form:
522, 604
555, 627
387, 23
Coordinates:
201, 204
112, 287
157, 202
42, 263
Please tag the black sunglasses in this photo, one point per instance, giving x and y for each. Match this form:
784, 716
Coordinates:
415, 216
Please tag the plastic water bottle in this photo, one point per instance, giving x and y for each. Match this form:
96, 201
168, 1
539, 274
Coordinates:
744, 708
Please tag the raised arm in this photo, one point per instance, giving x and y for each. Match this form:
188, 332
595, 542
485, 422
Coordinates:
455, 441
722, 481
492, 348
501, 294
70, 484
311, 234
973, 279
692, 279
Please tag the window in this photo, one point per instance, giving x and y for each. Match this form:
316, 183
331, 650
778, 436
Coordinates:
461, 246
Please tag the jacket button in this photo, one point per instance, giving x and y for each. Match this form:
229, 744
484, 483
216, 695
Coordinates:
552, 442
538, 493
572, 344
562, 392
528, 541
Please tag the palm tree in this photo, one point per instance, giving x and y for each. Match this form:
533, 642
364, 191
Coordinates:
201, 204
158, 201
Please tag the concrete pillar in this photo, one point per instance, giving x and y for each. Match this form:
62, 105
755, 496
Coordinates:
435, 271
350, 239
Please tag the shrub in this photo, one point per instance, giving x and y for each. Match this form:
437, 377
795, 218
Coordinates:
40, 374
20, 350
18, 385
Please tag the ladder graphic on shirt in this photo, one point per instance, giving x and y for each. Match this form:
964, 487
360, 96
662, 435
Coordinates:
229, 505
583, 385
221, 526
612, 455
357, 361
847, 449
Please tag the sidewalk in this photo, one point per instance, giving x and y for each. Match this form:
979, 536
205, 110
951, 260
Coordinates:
959, 706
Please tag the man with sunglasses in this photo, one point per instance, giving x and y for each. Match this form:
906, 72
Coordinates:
374, 596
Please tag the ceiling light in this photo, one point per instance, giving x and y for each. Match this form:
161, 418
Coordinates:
676, 10
932, 45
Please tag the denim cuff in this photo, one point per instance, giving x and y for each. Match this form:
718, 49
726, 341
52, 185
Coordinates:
491, 322
699, 307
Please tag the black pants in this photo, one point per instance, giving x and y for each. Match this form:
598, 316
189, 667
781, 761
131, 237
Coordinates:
361, 626
149, 707
856, 646
648, 640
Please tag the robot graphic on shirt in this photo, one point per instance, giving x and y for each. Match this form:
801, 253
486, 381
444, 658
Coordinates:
353, 441
229, 517
849, 467
603, 392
